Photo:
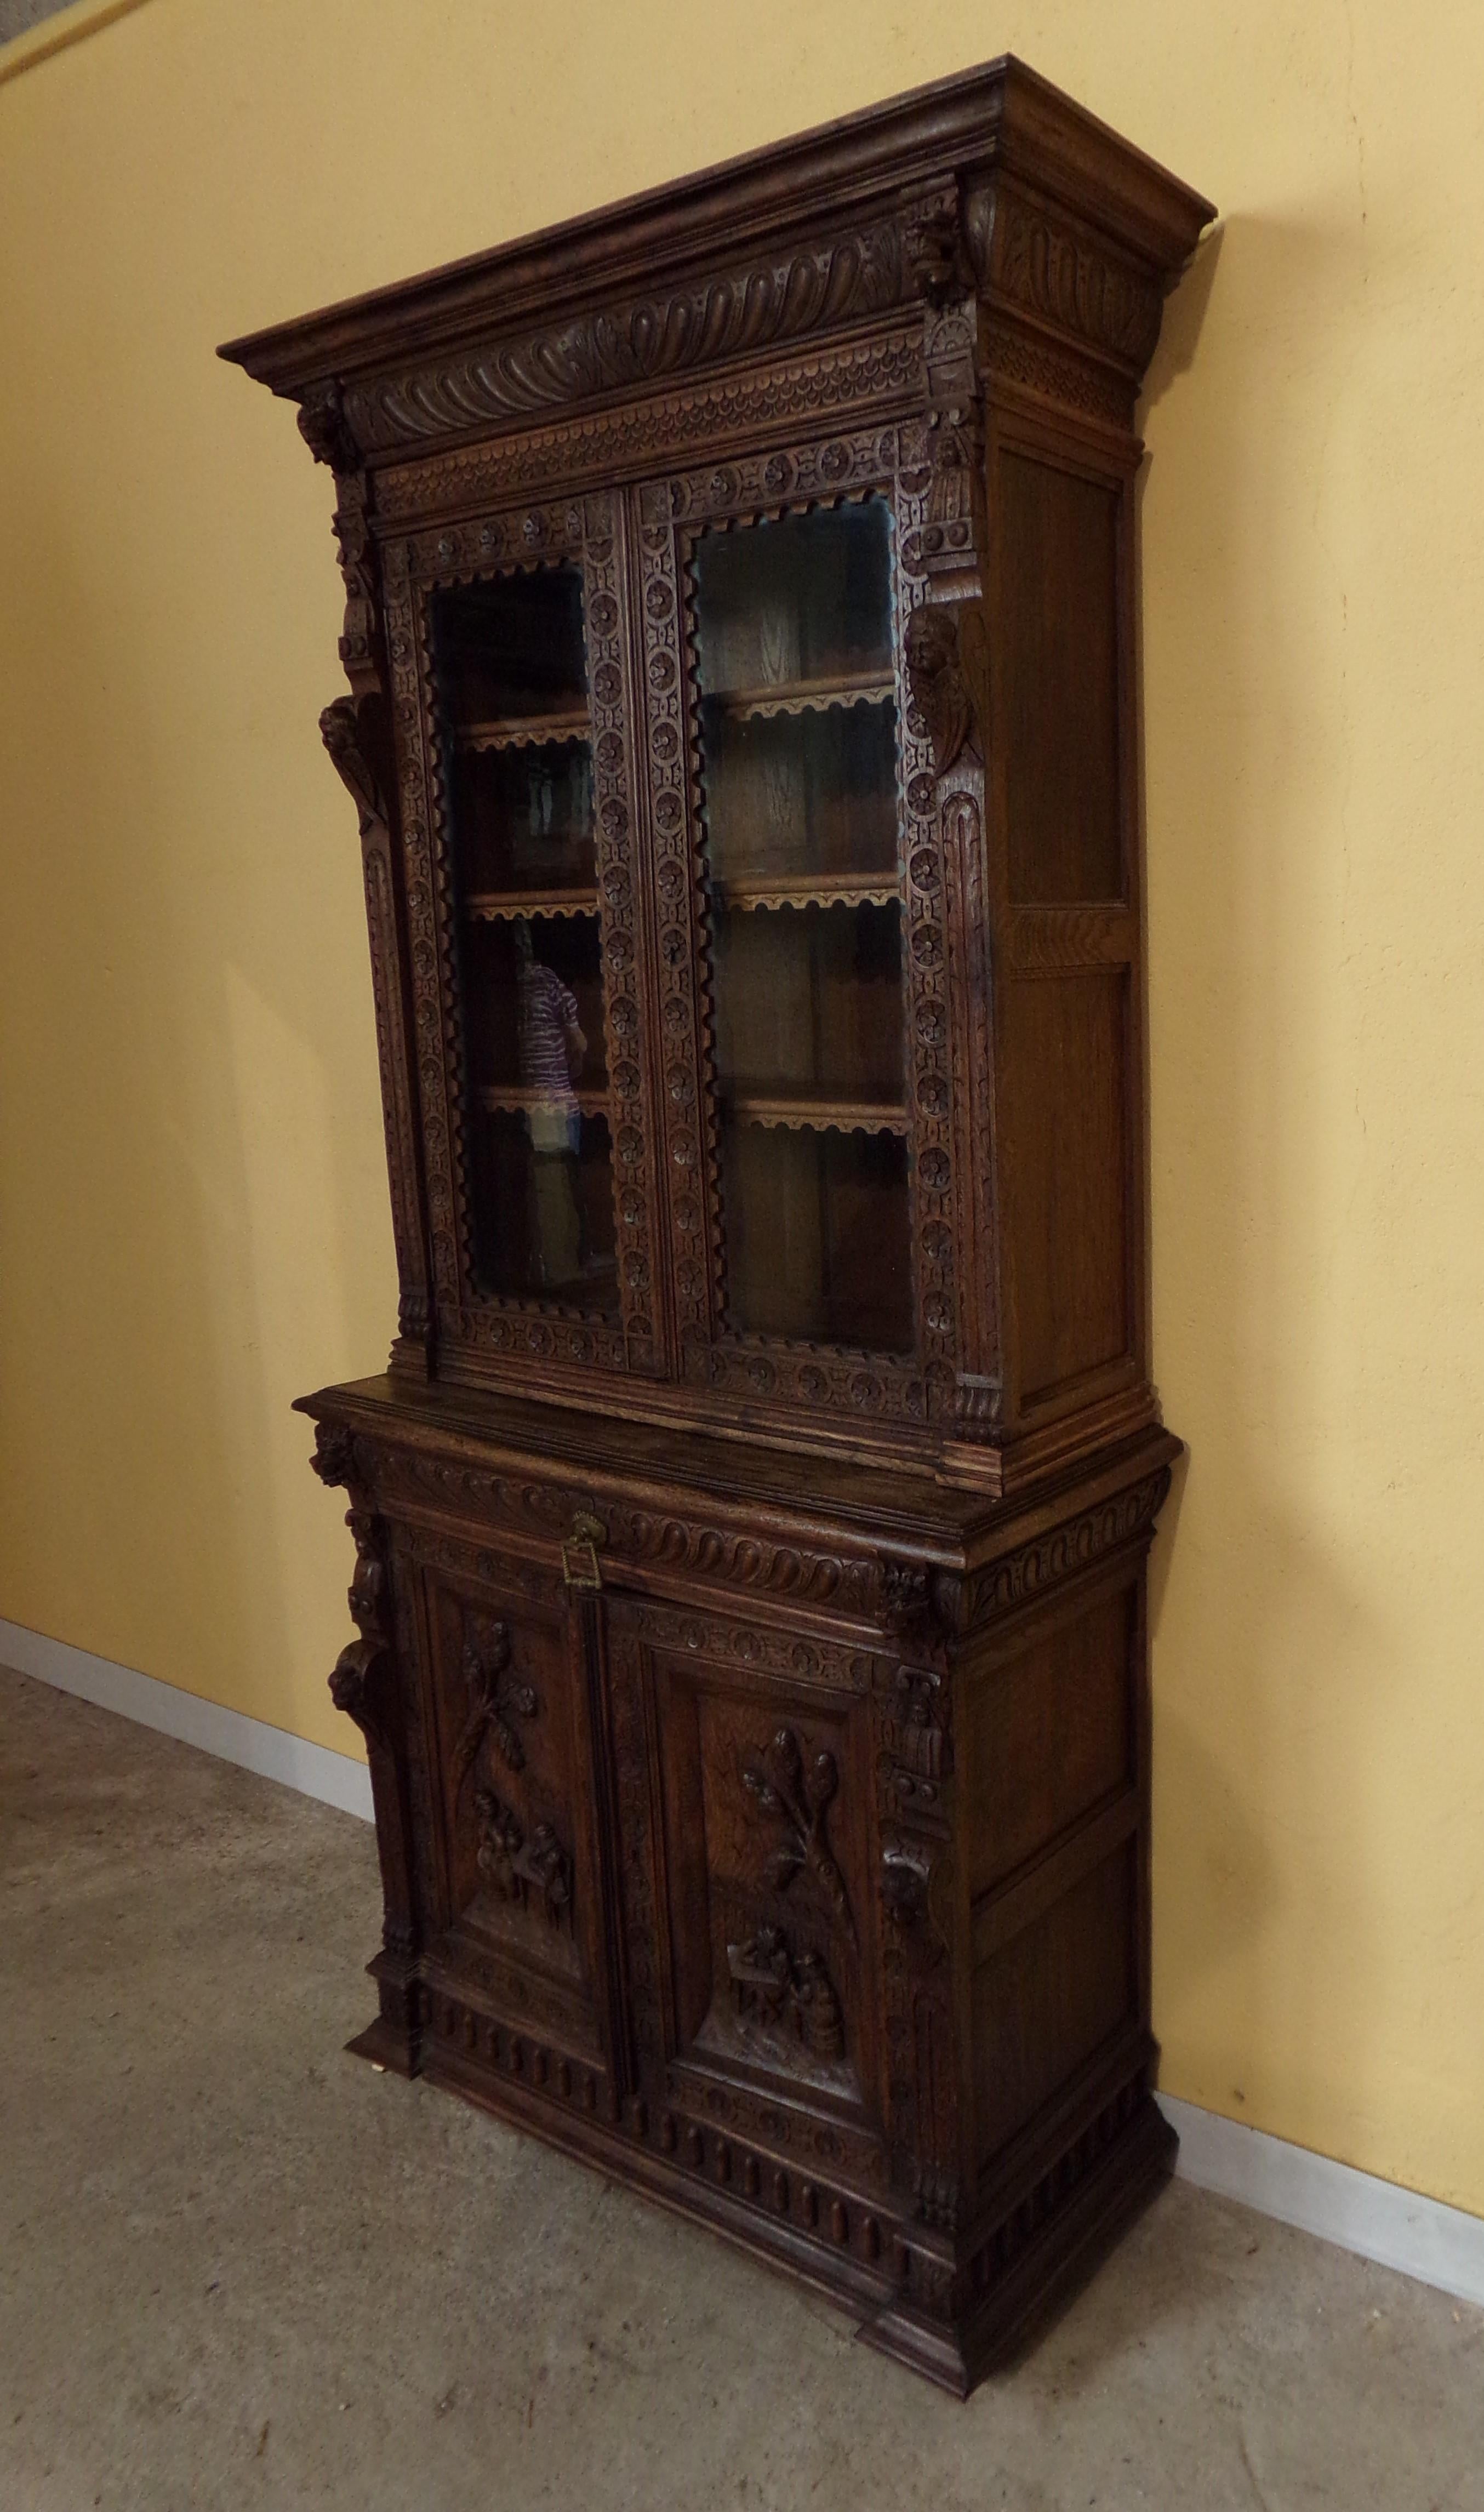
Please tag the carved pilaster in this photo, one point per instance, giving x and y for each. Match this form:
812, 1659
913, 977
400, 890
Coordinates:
365, 1684
357, 737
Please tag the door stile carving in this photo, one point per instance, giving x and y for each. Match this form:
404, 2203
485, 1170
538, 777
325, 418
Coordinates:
658, 851
921, 1930
683, 1046
947, 663
593, 1688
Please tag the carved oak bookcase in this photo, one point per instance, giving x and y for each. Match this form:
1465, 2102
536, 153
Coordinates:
751, 1522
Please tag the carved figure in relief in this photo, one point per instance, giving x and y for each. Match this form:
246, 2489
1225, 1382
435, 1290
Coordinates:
340, 732
519, 1867
800, 1799
937, 681
768, 1985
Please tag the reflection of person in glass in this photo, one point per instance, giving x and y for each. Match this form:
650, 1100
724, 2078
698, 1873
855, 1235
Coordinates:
551, 1048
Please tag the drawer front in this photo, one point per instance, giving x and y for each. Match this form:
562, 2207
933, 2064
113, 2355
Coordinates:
522, 1928
748, 1854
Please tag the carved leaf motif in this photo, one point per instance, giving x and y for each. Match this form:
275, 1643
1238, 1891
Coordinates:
497, 1698
798, 1799
741, 310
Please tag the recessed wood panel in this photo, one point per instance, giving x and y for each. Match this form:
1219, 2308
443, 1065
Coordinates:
1046, 2001
1060, 592
521, 1894
765, 1898
1066, 1053
1048, 1736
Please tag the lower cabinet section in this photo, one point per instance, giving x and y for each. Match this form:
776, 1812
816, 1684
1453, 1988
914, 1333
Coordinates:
797, 1880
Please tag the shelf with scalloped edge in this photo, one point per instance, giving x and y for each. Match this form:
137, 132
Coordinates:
749, 891
519, 1098
806, 1111
504, 905
557, 728
804, 697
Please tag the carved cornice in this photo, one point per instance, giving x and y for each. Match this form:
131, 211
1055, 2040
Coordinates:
758, 306
885, 367
1072, 1546
1064, 273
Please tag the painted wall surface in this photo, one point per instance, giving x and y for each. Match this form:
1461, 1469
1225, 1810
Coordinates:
193, 1218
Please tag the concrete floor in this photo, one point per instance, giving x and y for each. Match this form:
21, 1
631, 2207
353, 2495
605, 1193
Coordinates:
238, 2268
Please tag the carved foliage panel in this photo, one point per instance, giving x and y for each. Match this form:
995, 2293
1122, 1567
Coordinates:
746, 1856
672, 514
518, 1895
582, 531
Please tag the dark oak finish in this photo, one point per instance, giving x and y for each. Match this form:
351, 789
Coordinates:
751, 1523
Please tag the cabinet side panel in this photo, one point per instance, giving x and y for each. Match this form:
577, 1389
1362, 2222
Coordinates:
1059, 575
1050, 1734
1045, 2003
1066, 1051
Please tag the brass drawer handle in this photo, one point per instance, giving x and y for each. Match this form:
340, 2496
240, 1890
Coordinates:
580, 1566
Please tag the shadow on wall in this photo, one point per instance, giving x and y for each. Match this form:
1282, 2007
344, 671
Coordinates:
1242, 780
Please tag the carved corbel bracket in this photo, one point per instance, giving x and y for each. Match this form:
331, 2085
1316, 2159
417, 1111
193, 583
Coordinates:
326, 430
356, 1685
917, 1886
334, 1453
342, 731
941, 679
916, 1600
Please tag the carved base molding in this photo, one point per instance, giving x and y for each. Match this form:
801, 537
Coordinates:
949, 2311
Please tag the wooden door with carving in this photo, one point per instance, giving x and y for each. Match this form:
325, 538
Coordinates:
512, 709
818, 883
523, 1934
748, 1854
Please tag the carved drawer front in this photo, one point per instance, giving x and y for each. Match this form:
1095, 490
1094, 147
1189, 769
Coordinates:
745, 1865
523, 1927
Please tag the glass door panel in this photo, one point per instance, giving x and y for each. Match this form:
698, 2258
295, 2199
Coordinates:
511, 675
799, 754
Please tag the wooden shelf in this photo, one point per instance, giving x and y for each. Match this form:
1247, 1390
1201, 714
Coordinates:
749, 891
559, 726
502, 905
816, 1114
805, 697
515, 1098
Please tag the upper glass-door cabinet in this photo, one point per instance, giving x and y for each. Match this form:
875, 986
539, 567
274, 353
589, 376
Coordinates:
798, 737
806, 1031
512, 686
524, 713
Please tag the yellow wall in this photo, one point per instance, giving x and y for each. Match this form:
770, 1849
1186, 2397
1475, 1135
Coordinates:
193, 1221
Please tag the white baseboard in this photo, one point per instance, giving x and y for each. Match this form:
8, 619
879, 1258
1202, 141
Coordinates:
1441, 2245
316, 1772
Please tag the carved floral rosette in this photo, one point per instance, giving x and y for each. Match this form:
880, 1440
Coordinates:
581, 532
